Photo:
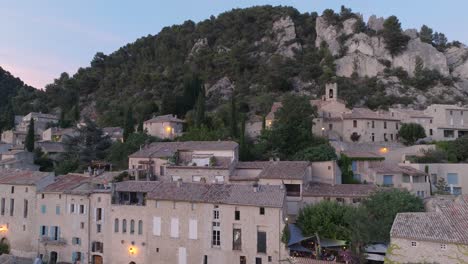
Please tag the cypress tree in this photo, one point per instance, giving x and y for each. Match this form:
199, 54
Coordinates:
243, 150
233, 117
129, 125
200, 109
29, 144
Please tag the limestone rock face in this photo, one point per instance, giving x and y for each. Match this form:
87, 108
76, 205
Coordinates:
327, 33
412, 33
372, 46
432, 58
199, 44
222, 89
363, 65
375, 23
285, 33
349, 26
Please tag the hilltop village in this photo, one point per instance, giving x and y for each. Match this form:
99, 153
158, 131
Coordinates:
186, 201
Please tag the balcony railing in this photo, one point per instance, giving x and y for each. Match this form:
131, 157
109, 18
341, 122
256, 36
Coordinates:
52, 241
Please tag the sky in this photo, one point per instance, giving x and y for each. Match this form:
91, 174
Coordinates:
41, 39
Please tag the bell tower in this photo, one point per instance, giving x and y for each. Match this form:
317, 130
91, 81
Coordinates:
331, 92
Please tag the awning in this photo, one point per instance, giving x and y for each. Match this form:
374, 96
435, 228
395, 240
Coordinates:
300, 248
326, 242
376, 248
375, 257
295, 235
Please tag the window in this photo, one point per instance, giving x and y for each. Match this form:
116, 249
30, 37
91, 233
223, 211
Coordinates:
414, 244
82, 209
357, 177
76, 256
330, 126
258, 260
42, 196
82, 225
293, 190
161, 170
262, 210
243, 260
391, 137
98, 228
140, 227
356, 200
216, 238
12, 206
156, 226
43, 230
388, 180
54, 232
373, 124
76, 241
205, 259
3, 206
174, 227
236, 239
116, 225
237, 215
396, 126
43, 209
132, 226
193, 229
451, 112
216, 212
261, 242
72, 208
25, 209
196, 178
354, 123
219, 179
124, 226
156, 204
354, 165
97, 247
385, 124
373, 137
430, 132
26, 189
449, 133
270, 259
340, 200
12, 189
444, 246
194, 206
452, 178
57, 209
99, 199
98, 214
385, 137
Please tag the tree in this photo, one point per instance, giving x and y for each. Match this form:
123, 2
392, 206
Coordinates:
426, 34
326, 218
243, 147
292, 129
432, 156
322, 152
460, 148
129, 123
410, 132
42, 160
30, 136
200, 117
233, 119
440, 41
347, 174
441, 187
395, 40
384, 205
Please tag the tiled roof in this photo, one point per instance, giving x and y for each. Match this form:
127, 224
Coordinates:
21, 177
297, 260
338, 190
392, 168
165, 118
447, 225
66, 183
265, 195
51, 147
287, 170
364, 113
112, 130
42, 115
167, 149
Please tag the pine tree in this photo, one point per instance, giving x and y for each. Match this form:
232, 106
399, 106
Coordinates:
233, 121
200, 109
30, 137
129, 126
395, 40
426, 34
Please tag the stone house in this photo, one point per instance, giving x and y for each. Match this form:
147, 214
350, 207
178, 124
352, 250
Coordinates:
436, 236
164, 127
454, 174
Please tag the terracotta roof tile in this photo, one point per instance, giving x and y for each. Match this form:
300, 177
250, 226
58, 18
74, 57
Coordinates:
165, 118
22, 177
66, 183
339, 190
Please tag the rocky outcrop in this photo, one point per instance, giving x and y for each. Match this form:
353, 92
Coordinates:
431, 57
222, 89
199, 44
349, 26
285, 33
327, 33
375, 23
363, 65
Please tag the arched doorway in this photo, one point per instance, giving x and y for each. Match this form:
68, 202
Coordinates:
132, 262
97, 259
53, 257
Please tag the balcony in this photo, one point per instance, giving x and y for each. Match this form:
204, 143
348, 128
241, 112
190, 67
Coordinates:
60, 241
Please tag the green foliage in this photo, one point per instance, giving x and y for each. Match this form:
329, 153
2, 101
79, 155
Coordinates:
441, 186
432, 156
292, 129
30, 137
129, 125
395, 40
200, 117
322, 152
325, 218
202, 133
90, 144
426, 34
119, 151
285, 235
42, 160
347, 175
4, 248
233, 120
440, 41
410, 132
460, 148
384, 205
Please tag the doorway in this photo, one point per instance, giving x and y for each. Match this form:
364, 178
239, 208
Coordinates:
53, 257
97, 259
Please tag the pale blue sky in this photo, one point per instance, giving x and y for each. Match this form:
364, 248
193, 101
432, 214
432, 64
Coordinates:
41, 39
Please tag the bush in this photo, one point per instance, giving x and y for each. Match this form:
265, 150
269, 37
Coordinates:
322, 152
410, 132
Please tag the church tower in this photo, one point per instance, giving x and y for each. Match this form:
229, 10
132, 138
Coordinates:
331, 92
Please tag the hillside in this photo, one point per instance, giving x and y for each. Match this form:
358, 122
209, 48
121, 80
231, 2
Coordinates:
16, 98
260, 53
